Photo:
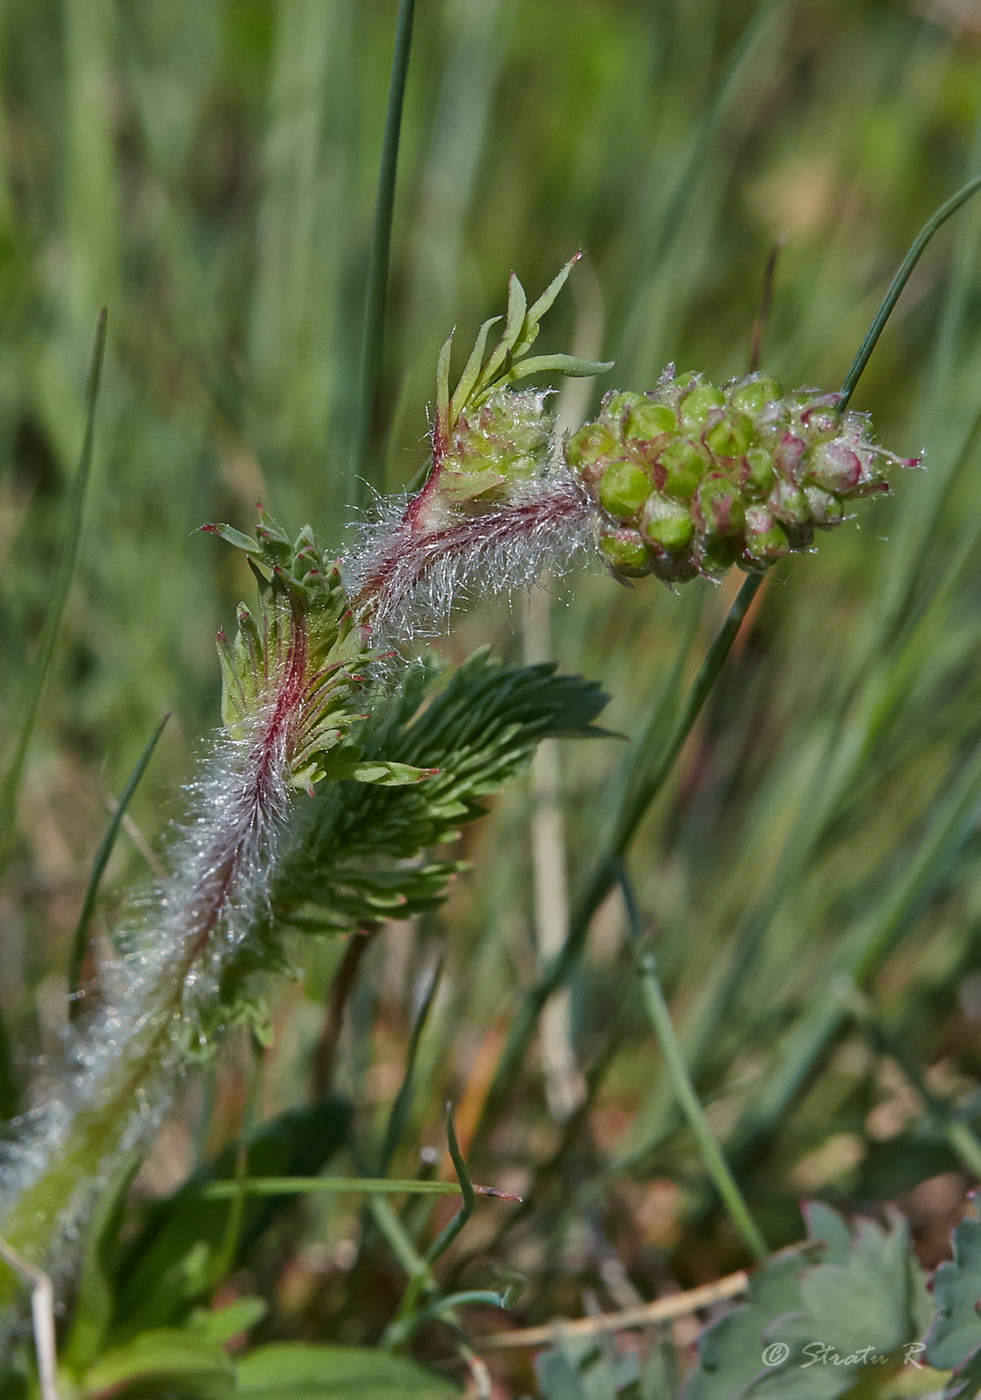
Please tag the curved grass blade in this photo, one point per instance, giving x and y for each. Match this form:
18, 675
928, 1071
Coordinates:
659, 1015
895, 290
376, 295
80, 938
449, 1233
403, 1099
59, 596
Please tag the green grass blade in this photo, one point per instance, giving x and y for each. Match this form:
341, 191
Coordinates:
59, 596
80, 938
659, 1014
895, 289
862, 955
652, 766
687, 182
328, 1185
403, 1100
376, 295
449, 1233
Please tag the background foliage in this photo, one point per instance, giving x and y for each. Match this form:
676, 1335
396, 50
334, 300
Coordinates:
811, 874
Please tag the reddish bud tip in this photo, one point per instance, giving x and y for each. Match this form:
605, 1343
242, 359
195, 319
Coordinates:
497, 1194
211, 529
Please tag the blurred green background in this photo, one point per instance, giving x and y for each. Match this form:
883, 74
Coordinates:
206, 169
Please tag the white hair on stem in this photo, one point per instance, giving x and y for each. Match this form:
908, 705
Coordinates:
174, 946
405, 580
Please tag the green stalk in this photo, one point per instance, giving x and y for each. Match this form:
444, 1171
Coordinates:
76, 957
652, 761
659, 1014
329, 1185
936, 221
59, 596
376, 295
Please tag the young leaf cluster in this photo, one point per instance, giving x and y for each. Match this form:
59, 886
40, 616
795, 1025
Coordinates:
508, 361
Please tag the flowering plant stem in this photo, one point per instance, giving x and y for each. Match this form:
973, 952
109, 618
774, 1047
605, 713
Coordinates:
643, 789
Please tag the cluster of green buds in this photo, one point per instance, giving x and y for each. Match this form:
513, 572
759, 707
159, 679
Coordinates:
690, 479
493, 447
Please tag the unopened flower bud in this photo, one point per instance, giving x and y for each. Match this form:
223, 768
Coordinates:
698, 403
789, 503
625, 551
719, 507
590, 447
648, 421
684, 463
766, 539
623, 489
825, 508
667, 523
730, 436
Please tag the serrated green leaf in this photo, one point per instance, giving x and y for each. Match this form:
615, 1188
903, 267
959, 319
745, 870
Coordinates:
295, 1371
362, 853
965, 1383
830, 1229
811, 1330
167, 1355
730, 1349
955, 1335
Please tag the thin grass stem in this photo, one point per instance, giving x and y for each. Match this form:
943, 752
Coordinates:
659, 1014
895, 290
76, 957
652, 761
376, 294
59, 596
